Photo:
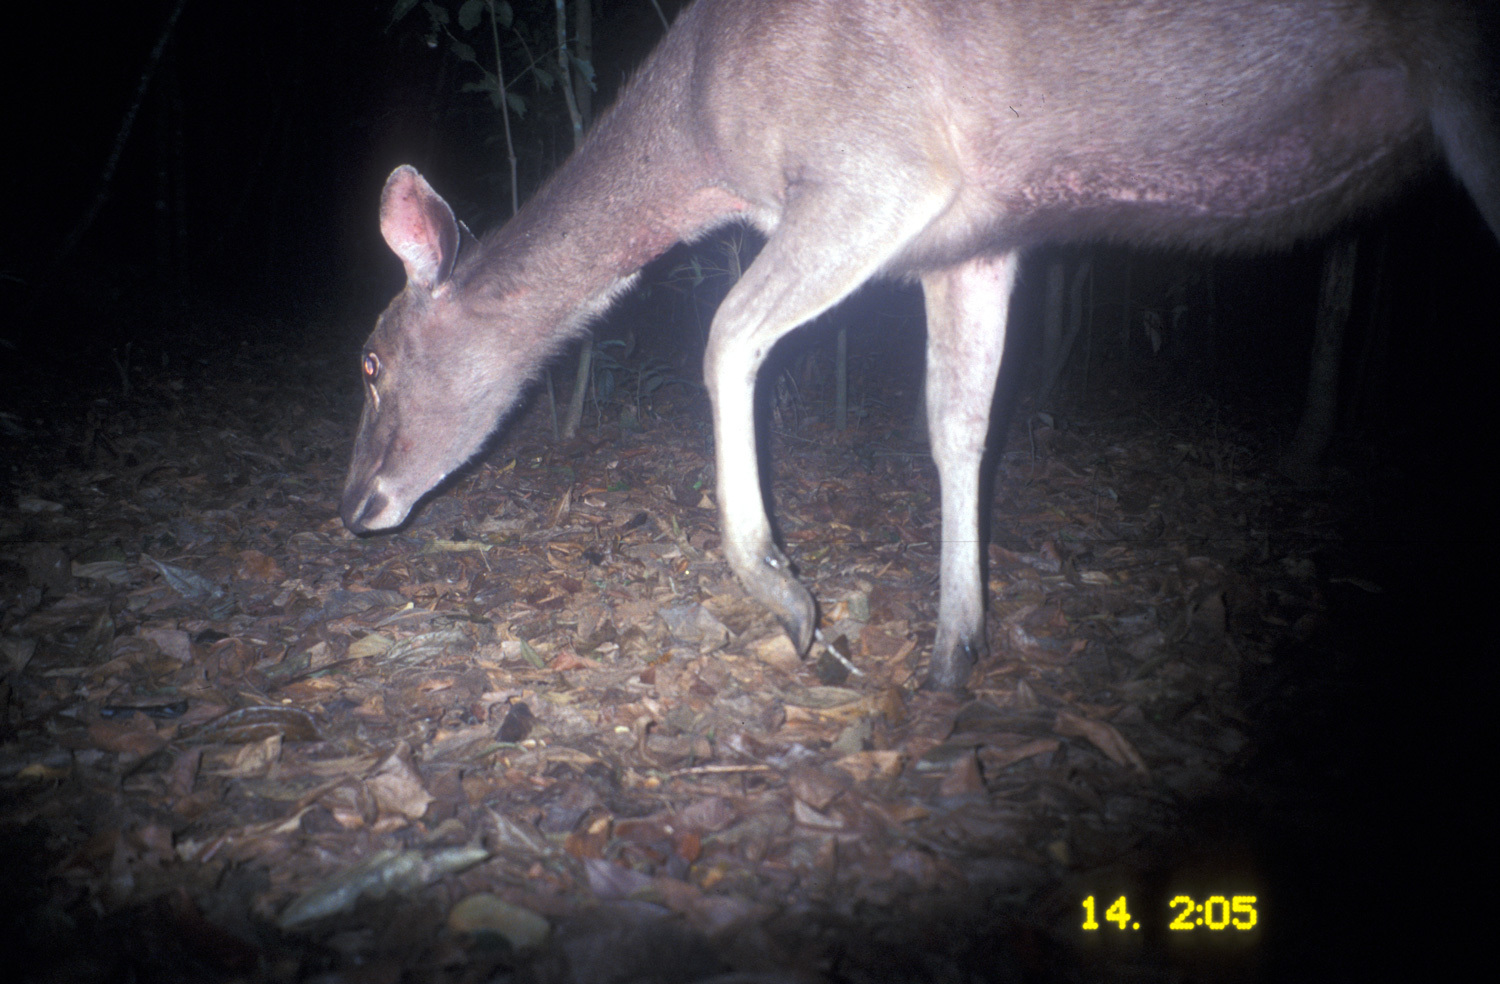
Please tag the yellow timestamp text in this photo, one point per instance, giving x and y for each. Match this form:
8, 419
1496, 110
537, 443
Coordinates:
1216, 913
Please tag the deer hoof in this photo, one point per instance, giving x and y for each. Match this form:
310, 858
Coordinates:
799, 618
951, 665
771, 583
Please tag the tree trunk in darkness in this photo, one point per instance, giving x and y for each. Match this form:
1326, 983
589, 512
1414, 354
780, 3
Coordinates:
1372, 366
580, 87
1052, 321
1302, 460
841, 381
1057, 342
583, 50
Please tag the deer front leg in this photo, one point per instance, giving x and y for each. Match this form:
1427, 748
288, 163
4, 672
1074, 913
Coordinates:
752, 554
966, 314
829, 241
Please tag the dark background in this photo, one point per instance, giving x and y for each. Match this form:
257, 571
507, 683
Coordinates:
252, 166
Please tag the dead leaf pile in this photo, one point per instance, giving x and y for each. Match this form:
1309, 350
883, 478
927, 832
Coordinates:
543, 728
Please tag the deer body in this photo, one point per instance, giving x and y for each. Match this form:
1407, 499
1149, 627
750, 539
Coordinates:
933, 140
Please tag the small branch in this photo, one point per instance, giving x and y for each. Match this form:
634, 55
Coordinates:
126, 126
664, 25
567, 71
510, 147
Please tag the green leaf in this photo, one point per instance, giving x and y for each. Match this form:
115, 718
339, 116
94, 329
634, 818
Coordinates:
517, 104
503, 14
470, 13
487, 86
438, 14
401, 9
464, 52
532, 656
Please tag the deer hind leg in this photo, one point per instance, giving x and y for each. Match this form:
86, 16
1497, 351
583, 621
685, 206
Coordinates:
829, 241
1468, 130
966, 315
1459, 77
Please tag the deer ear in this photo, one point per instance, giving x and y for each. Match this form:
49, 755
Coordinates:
419, 227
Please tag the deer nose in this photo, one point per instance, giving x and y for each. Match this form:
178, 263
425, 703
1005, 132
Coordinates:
359, 507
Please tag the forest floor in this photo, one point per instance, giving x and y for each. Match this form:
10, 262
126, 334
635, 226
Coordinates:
540, 733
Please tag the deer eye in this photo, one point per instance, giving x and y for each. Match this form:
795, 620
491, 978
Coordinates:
372, 367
